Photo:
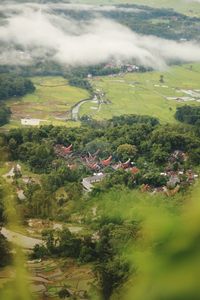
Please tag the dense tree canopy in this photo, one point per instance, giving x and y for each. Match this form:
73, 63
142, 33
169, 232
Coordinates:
126, 151
14, 86
4, 114
80, 82
188, 114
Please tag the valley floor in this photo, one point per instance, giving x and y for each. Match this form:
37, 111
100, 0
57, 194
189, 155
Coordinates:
54, 101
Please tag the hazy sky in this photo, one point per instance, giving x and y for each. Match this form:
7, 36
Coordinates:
33, 33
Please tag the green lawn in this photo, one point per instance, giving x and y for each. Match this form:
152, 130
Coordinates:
142, 93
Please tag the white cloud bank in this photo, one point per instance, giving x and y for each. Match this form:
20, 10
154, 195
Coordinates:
33, 35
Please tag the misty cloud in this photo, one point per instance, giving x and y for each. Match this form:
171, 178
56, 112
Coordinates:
35, 33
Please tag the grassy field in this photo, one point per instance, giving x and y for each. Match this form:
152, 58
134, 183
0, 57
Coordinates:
133, 93
183, 6
142, 93
50, 103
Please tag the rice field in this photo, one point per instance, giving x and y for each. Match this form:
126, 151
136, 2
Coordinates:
144, 94
51, 102
132, 93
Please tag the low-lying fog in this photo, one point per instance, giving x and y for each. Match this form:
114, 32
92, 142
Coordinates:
31, 32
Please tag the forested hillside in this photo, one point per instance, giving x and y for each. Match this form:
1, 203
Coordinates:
149, 165
188, 114
12, 85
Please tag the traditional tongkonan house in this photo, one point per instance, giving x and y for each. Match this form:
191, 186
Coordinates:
126, 165
63, 151
106, 162
134, 170
91, 157
93, 166
67, 150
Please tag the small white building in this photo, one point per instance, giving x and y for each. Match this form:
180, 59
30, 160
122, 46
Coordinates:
30, 122
89, 181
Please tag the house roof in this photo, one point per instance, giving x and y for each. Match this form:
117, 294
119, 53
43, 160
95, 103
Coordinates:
107, 162
135, 170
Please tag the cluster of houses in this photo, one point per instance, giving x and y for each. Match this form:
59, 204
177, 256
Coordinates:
93, 163
178, 156
163, 189
123, 69
178, 176
129, 68
175, 178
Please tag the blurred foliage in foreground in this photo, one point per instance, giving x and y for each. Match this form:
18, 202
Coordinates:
164, 257
167, 256
18, 288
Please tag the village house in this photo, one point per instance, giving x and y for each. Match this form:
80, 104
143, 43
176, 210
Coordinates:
62, 151
173, 181
30, 122
88, 182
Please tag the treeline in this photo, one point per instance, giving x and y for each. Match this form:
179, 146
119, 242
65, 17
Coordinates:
4, 114
95, 70
14, 86
78, 76
188, 114
80, 83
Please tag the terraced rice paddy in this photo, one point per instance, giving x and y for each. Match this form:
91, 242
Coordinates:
48, 277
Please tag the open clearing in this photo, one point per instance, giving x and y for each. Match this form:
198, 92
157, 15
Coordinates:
143, 93
51, 102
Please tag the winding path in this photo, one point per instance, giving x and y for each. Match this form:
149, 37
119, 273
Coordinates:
77, 106
20, 239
